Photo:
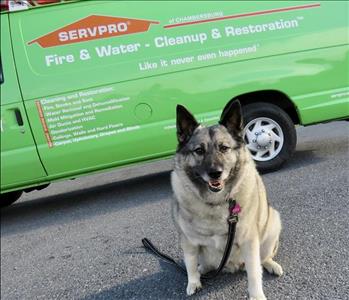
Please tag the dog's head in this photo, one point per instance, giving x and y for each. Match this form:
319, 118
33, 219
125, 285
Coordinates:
210, 155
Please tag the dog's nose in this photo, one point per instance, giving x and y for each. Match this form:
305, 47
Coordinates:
215, 174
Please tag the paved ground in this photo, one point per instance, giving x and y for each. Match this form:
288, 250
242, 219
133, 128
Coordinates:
82, 239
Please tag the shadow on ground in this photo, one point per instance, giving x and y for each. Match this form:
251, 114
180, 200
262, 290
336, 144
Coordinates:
166, 284
302, 159
83, 204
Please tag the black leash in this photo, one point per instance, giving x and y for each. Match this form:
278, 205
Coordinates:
232, 219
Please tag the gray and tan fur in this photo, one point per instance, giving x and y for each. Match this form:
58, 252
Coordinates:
211, 165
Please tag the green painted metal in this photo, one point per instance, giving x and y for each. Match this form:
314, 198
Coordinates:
20, 164
10, 92
98, 96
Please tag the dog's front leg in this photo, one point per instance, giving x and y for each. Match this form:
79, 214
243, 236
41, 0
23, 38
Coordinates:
191, 253
251, 256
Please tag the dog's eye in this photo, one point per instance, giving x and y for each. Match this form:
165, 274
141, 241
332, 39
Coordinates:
223, 148
199, 151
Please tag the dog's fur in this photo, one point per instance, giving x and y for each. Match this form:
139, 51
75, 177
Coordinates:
211, 165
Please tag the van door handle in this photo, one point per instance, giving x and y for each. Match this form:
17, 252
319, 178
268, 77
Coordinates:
19, 118
1, 73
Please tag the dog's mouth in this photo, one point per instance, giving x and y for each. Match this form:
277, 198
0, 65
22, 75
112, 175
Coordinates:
215, 185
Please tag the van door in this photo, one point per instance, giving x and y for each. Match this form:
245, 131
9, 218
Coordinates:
83, 116
20, 164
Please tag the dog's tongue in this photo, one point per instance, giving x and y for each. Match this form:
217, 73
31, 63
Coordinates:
215, 183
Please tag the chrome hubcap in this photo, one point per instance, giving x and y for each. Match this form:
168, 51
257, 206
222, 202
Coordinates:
264, 138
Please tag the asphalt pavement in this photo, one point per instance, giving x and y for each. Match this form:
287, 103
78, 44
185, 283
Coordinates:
81, 239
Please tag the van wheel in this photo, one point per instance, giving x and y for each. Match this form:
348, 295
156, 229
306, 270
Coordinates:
269, 134
9, 198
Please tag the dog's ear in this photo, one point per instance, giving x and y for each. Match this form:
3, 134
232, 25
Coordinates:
231, 118
186, 124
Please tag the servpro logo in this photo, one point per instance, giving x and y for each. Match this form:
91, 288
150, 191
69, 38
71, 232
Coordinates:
91, 28
96, 31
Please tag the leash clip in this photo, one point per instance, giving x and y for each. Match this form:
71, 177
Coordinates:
233, 219
234, 210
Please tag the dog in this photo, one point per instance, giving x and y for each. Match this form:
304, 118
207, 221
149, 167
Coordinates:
212, 164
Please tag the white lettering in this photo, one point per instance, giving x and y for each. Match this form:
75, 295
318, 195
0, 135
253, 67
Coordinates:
92, 31
165, 41
101, 30
73, 34
58, 60
63, 36
82, 33
121, 49
252, 29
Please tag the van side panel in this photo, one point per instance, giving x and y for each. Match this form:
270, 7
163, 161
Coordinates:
101, 81
85, 43
20, 164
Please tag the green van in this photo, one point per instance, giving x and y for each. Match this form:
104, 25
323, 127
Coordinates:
92, 85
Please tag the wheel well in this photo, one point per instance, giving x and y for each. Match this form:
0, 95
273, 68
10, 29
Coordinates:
271, 96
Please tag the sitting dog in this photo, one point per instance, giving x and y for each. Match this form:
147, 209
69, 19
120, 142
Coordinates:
212, 165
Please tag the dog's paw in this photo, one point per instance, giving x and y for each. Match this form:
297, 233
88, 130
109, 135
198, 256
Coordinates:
193, 287
277, 269
273, 267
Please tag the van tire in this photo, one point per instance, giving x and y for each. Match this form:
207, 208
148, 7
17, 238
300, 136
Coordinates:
277, 144
8, 198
